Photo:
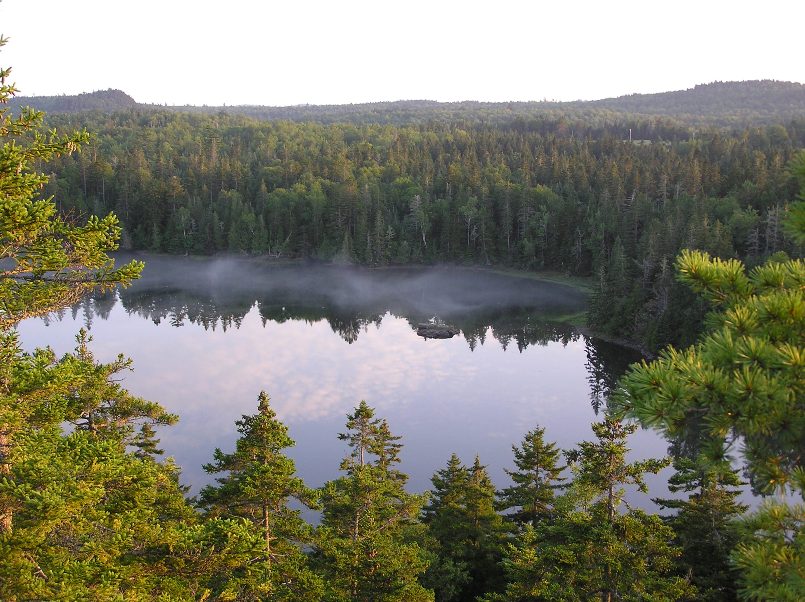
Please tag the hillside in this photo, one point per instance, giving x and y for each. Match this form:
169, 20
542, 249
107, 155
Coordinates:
750, 98
718, 103
101, 100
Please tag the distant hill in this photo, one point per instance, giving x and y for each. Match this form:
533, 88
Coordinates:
759, 97
718, 103
102, 100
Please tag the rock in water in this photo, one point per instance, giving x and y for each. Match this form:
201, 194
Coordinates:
436, 331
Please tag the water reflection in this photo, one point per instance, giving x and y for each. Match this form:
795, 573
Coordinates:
207, 335
218, 293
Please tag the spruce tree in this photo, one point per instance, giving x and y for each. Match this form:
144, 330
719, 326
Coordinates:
467, 531
90, 520
46, 261
535, 481
590, 549
259, 484
368, 542
449, 573
706, 524
100, 405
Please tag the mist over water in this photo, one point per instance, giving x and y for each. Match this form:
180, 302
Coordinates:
206, 335
418, 293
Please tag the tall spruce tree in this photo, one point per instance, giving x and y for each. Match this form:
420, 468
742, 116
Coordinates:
368, 544
536, 480
260, 484
449, 573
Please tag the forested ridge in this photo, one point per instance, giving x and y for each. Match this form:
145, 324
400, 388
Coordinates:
717, 103
89, 510
572, 195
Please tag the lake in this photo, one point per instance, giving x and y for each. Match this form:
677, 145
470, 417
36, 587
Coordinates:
208, 334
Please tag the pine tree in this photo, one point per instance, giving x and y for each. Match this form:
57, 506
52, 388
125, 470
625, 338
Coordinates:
742, 380
771, 555
259, 485
367, 545
535, 481
744, 377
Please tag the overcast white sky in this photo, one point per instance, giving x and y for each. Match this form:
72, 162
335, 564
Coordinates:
318, 52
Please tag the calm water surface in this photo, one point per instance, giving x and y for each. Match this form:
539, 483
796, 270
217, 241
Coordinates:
206, 335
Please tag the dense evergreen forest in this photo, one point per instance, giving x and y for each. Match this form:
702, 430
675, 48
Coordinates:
90, 511
606, 196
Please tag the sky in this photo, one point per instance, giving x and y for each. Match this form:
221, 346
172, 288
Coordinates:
266, 52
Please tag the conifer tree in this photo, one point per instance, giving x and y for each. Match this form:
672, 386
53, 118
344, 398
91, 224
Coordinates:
89, 520
771, 554
794, 225
368, 543
100, 405
744, 378
46, 262
743, 381
706, 524
259, 485
535, 481
591, 549
449, 573
468, 532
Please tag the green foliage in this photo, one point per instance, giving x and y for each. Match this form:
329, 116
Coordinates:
83, 517
535, 482
771, 557
745, 376
259, 486
795, 224
46, 262
468, 533
98, 404
368, 543
589, 549
706, 524
742, 380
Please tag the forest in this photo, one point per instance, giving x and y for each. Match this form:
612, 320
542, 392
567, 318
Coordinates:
689, 235
572, 195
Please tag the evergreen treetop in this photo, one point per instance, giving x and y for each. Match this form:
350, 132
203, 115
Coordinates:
536, 479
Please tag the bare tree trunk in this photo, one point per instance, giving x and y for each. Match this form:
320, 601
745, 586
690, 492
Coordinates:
267, 535
6, 513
